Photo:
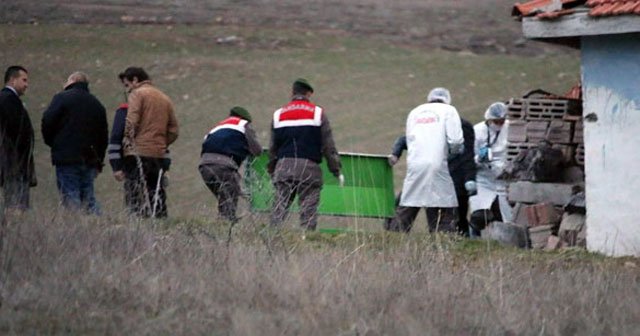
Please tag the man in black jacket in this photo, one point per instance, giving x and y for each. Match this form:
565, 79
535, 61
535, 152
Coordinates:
17, 172
75, 127
462, 169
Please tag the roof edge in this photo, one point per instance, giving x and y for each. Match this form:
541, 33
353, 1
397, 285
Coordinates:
579, 24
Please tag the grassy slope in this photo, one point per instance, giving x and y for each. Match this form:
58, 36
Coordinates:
367, 86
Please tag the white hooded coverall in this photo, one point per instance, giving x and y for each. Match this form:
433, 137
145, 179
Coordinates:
431, 129
488, 185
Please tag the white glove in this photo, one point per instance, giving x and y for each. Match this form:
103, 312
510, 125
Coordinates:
341, 179
392, 159
471, 187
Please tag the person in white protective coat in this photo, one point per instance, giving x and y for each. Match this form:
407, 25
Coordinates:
434, 133
490, 204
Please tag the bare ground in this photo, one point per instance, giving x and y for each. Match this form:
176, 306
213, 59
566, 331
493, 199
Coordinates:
478, 26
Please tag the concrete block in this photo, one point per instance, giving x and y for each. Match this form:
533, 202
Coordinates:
537, 130
516, 109
520, 215
546, 109
539, 235
517, 131
506, 233
580, 154
559, 132
572, 222
578, 133
531, 192
553, 243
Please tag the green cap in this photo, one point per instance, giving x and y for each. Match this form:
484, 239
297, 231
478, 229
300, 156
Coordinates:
240, 112
303, 82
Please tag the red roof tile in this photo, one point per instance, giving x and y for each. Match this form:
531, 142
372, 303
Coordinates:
540, 6
613, 7
550, 9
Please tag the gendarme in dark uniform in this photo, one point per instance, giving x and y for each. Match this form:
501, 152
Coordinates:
223, 150
300, 137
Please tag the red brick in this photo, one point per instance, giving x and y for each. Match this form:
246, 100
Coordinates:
547, 214
532, 217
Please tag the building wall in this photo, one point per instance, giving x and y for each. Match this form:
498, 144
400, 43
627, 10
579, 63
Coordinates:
611, 90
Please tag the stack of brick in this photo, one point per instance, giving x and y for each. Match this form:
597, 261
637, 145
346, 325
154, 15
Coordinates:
539, 206
557, 120
539, 209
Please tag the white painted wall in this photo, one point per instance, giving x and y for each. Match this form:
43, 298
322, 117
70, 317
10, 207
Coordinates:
611, 90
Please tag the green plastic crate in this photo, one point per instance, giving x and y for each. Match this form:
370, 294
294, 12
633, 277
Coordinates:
368, 188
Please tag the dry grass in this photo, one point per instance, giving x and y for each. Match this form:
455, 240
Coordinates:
85, 275
62, 274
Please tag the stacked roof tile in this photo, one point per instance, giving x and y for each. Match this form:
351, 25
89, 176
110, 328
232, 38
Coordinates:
552, 9
613, 7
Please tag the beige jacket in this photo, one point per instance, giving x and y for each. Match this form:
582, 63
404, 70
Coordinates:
151, 124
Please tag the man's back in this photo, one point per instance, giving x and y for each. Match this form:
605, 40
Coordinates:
75, 126
151, 122
428, 132
16, 134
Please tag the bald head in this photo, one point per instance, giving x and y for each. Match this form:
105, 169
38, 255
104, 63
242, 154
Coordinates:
77, 77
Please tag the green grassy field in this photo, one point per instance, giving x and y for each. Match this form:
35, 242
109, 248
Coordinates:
367, 86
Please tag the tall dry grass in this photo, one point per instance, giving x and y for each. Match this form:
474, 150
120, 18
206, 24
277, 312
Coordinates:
66, 274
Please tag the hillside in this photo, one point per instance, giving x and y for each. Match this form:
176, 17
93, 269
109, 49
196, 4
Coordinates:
367, 86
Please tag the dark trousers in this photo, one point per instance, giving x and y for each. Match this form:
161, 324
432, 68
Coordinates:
400, 225
463, 209
481, 218
144, 192
16, 194
302, 178
438, 219
224, 183
75, 184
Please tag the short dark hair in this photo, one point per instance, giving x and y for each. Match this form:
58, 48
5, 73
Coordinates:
132, 72
13, 72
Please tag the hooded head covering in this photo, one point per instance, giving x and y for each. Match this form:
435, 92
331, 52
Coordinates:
496, 111
439, 94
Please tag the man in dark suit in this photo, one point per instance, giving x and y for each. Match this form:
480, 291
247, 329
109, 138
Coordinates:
17, 172
75, 127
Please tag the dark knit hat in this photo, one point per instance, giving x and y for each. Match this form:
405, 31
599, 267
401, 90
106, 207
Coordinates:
304, 83
240, 112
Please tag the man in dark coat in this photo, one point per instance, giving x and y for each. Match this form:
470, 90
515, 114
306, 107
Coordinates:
75, 127
17, 172
463, 172
224, 149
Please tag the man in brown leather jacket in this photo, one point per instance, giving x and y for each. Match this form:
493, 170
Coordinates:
150, 128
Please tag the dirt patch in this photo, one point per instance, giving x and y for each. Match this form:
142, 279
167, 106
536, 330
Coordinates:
477, 26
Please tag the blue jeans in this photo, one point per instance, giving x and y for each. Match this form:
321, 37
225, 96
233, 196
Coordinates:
75, 183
